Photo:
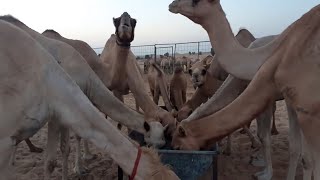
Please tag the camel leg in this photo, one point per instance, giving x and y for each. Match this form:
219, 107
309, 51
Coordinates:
184, 96
52, 144
274, 130
6, 147
227, 150
120, 97
137, 106
87, 154
65, 151
294, 143
307, 160
32, 147
79, 167
156, 96
255, 143
264, 124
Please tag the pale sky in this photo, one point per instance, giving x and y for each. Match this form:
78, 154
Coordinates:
91, 21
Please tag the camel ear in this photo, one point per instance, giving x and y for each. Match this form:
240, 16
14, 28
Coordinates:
116, 22
133, 22
182, 132
146, 126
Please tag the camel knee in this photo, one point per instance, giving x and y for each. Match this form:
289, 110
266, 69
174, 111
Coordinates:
307, 163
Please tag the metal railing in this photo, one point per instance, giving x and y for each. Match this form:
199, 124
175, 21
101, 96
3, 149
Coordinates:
174, 50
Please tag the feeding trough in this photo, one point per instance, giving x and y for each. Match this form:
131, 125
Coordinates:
188, 165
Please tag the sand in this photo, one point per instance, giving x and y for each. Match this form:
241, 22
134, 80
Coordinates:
234, 167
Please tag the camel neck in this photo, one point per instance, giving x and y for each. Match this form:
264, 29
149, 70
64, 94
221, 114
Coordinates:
241, 62
219, 31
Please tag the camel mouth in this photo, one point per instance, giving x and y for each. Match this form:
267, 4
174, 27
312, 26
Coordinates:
173, 8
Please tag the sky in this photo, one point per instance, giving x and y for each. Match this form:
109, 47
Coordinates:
91, 21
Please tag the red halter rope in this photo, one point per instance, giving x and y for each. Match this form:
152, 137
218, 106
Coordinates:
136, 164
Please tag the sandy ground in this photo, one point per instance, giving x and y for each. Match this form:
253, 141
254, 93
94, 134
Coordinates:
235, 167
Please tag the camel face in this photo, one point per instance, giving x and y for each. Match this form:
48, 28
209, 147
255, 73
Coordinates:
181, 139
198, 72
155, 134
195, 10
124, 28
198, 76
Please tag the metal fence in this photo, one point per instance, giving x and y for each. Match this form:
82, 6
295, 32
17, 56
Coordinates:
156, 51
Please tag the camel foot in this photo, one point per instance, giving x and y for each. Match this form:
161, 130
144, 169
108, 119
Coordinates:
89, 156
35, 149
81, 171
257, 161
274, 132
263, 175
255, 144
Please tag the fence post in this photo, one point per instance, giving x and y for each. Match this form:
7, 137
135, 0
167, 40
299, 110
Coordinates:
198, 49
155, 53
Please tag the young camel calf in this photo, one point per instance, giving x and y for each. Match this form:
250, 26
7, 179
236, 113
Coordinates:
178, 88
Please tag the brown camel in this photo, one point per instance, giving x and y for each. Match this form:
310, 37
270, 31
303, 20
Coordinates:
34, 89
178, 88
75, 65
116, 50
284, 72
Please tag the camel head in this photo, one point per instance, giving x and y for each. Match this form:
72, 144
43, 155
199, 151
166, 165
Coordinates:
183, 139
155, 134
124, 29
195, 10
198, 72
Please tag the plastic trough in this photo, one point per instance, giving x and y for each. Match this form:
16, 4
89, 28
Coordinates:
188, 165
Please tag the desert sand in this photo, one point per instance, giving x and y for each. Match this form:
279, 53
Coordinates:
234, 167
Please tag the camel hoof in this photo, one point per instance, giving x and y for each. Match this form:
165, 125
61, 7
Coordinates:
255, 145
257, 162
274, 132
89, 157
36, 150
263, 175
81, 171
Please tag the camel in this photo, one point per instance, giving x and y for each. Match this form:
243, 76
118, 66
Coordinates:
208, 80
134, 78
146, 65
34, 89
79, 70
178, 88
184, 62
282, 73
159, 86
167, 65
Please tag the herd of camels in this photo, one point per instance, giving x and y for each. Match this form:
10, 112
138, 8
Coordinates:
62, 82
